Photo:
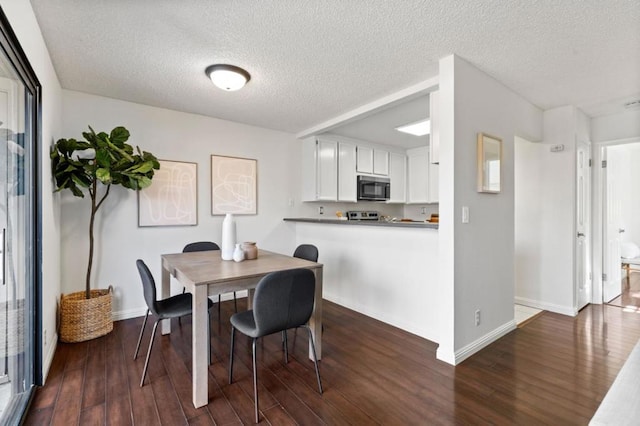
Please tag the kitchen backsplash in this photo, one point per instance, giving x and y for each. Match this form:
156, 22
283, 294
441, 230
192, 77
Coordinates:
311, 209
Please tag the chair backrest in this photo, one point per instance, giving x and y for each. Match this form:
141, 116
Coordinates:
148, 285
283, 300
200, 246
306, 252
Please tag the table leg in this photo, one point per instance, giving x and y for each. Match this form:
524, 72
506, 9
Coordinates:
200, 340
250, 292
165, 290
315, 323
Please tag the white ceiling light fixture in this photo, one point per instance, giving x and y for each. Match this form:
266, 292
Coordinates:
227, 77
419, 128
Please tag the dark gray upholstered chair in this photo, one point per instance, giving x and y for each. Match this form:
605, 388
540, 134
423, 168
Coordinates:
206, 246
171, 307
282, 300
306, 252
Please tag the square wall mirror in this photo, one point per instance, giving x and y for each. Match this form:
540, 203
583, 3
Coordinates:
489, 163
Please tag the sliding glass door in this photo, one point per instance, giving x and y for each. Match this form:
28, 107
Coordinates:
19, 313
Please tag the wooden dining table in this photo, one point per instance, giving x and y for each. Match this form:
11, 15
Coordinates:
205, 274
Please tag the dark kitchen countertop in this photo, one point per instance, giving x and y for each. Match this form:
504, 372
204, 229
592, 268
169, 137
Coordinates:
415, 224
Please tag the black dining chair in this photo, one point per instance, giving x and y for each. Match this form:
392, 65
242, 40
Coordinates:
306, 252
282, 300
206, 246
171, 307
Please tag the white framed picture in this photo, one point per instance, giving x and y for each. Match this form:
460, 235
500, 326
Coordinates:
172, 198
233, 185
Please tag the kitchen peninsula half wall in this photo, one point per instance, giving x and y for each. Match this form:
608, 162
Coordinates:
385, 271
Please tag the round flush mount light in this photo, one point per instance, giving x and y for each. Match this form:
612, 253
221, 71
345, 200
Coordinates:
227, 77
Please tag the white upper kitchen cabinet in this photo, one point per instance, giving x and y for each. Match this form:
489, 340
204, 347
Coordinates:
372, 161
380, 162
364, 162
347, 185
319, 170
398, 177
422, 177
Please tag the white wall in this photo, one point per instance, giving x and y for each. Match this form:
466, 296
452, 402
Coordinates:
177, 136
477, 258
530, 162
24, 24
545, 213
387, 273
625, 125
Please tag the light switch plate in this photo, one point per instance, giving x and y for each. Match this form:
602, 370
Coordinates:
465, 214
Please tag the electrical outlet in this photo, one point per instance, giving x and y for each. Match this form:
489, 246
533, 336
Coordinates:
320, 210
290, 202
477, 317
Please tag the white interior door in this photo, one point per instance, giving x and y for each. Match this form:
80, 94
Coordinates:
611, 216
583, 225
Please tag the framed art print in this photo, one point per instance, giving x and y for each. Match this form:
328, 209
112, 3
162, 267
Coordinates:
233, 185
172, 198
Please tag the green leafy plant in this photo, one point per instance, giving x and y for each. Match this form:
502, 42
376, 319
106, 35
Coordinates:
94, 165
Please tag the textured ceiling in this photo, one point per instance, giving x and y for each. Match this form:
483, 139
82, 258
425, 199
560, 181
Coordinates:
312, 60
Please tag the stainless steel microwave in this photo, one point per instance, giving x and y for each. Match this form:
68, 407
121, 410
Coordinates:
373, 188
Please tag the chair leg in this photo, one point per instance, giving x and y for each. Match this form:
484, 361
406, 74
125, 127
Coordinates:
255, 380
233, 334
286, 346
144, 324
315, 358
219, 300
146, 363
235, 302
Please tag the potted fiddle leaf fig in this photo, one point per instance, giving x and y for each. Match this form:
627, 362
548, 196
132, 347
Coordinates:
93, 166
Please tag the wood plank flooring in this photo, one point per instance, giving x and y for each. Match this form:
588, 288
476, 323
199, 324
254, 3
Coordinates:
630, 292
555, 370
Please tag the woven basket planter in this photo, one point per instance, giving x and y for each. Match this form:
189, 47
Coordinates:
85, 319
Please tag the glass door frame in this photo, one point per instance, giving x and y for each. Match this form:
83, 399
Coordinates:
10, 46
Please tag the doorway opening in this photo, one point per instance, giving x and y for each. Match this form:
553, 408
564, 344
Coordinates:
621, 226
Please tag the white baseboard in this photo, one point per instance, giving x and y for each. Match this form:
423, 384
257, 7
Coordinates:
46, 362
446, 354
558, 309
487, 339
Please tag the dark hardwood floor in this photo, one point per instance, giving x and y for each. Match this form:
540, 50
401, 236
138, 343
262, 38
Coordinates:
630, 292
555, 370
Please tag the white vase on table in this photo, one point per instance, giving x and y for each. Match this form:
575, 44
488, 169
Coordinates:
238, 253
228, 237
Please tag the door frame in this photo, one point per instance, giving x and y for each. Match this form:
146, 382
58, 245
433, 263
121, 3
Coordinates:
597, 224
10, 46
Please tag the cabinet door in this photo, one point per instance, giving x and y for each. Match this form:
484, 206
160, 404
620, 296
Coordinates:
347, 185
365, 159
418, 176
380, 162
398, 177
327, 174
